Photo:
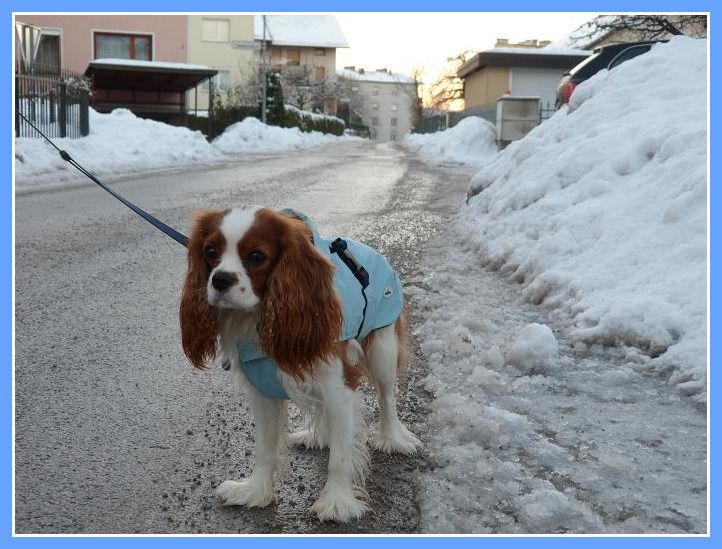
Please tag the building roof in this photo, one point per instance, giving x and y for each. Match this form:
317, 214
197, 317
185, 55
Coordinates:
126, 74
375, 76
524, 57
320, 31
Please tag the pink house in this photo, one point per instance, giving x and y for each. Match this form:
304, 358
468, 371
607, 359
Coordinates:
73, 41
136, 62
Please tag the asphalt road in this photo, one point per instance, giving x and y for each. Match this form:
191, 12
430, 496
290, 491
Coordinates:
115, 431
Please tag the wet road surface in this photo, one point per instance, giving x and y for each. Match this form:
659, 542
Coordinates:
115, 431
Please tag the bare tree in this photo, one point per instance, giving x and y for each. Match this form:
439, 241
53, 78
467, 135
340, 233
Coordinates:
644, 27
304, 90
448, 87
415, 95
350, 100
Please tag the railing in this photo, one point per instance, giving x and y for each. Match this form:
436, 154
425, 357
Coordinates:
54, 100
546, 111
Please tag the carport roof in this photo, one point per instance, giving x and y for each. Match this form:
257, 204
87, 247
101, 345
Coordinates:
126, 74
523, 57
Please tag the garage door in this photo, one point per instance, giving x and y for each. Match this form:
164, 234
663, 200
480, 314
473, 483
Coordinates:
536, 82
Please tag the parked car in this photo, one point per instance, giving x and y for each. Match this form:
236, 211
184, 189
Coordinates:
605, 57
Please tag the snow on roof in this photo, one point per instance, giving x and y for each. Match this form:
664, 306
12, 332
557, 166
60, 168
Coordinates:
148, 64
322, 31
375, 76
538, 51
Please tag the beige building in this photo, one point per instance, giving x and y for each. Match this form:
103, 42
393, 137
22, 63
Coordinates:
224, 42
383, 101
529, 72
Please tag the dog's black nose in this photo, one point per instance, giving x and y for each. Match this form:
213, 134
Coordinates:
223, 280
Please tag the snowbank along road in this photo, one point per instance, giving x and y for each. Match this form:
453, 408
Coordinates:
115, 430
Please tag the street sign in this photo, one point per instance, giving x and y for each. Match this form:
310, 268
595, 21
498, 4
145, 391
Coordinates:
245, 45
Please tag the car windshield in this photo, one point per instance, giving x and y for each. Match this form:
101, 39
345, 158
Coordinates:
584, 63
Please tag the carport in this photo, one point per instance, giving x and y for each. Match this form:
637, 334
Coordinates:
150, 89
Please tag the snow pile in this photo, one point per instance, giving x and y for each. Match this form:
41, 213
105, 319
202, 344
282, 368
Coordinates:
601, 213
535, 349
313, 115
253, 136
119, 142
472, 141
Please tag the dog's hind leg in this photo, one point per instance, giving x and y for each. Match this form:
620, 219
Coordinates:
385, 354
342, 497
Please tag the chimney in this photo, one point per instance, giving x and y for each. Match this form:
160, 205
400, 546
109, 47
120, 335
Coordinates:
361, 71
501, 42
382, 70
350, 68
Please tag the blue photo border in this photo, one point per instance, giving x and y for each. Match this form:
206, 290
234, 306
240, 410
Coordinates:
593, 6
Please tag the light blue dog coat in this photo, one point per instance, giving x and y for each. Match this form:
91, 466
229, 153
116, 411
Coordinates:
383, 305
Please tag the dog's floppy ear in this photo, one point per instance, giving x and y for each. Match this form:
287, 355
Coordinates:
198, 320
302, 315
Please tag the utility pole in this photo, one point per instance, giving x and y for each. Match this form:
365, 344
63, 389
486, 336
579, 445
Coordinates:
264, 78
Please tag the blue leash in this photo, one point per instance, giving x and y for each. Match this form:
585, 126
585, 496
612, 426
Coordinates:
170, 231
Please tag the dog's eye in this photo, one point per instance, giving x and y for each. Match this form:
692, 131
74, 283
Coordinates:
256, 257
211, 253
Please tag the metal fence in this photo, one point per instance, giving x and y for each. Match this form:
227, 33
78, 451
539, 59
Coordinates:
56, 101
546, 111
487, 111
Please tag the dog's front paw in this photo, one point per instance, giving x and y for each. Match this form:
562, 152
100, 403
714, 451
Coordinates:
249, 493
340, 506
397, 439
308, 438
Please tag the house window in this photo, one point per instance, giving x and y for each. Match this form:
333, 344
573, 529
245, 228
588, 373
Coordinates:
319, 73
393, 136
123, 46
354, 88
221, 82
320, 52
374, 91
375, 106
394, 92
393, 121
394, 107
374, 121
48, 57
215, 30
293, 57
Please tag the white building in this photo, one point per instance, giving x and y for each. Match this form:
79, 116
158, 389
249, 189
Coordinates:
303, 49
384, 101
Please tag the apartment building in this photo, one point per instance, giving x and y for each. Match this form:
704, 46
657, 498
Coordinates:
226, 43
302, 48
384, 101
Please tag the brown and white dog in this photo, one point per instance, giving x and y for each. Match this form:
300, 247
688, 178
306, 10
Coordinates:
255, 276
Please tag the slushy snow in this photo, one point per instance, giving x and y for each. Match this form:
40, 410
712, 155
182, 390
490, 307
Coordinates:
471, 142
564, 318
122, 143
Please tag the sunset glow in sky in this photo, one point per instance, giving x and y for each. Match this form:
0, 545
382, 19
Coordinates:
402, 41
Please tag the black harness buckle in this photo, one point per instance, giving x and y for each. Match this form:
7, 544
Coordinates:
340, 247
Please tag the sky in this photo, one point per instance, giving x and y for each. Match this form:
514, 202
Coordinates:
402, 41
